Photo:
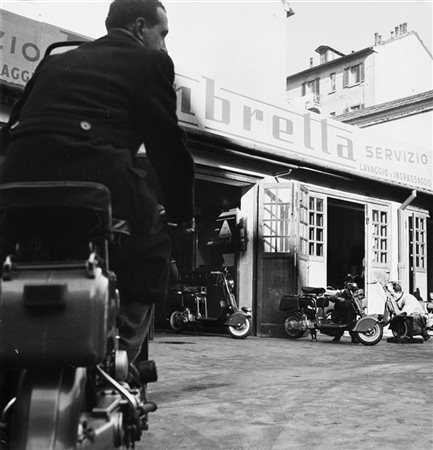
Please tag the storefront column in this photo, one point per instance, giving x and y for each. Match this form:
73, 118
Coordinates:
403, 242
247, 260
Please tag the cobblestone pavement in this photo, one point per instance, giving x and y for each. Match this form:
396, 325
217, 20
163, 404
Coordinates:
215, 392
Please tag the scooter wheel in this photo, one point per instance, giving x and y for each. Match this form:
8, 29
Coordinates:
241, 331
177, 321
402, 331
371, 337
292, 326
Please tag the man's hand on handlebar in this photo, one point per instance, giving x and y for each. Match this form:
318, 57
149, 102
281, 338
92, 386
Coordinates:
186, 227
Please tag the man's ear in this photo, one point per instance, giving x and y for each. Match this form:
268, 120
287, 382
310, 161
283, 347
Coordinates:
139, 26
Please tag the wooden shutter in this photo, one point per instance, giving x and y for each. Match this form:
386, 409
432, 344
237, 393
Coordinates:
346, 77
361, 74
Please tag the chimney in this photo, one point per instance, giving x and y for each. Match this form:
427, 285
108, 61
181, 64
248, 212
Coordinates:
404, 26
392, 34
311, 62
380, 39
396, 30
376, 38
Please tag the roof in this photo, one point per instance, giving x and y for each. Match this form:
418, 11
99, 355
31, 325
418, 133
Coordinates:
327, 47
393, 109
337, 61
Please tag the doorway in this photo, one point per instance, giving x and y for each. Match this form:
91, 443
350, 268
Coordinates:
200, 251
346, 242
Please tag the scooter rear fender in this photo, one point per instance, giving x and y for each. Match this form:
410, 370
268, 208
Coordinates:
365, 324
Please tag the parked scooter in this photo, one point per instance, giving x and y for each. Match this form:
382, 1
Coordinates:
64, 384
211, 303
311, 311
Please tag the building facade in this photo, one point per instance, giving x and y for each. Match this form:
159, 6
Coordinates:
409, 118
306, 198
398, 67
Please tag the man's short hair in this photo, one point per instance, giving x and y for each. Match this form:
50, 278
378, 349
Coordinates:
396, 286
123, 13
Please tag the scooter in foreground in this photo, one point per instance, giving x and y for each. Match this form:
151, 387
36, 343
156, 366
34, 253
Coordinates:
311, 311
210, 302
64, 384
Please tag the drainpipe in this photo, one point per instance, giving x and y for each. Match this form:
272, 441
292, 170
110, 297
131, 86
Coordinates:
401, 253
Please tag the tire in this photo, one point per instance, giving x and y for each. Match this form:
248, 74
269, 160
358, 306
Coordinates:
292, 327
403, 330
177, 321
371, 337
242, 331
40, 418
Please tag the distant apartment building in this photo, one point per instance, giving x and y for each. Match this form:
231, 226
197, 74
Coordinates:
398, 67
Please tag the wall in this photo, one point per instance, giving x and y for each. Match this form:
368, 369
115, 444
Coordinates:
341, 98
403, 67
344, 97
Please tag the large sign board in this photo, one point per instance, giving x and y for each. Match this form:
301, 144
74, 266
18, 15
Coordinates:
300, 135
23, 43
274, 129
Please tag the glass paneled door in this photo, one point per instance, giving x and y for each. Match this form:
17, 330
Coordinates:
417, 227
276, 252
378, 254
311, 213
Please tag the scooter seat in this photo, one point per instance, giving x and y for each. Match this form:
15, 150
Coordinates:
22, 203
313, 290
82, 194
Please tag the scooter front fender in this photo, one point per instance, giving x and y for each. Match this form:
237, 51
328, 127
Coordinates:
237, 319
365, 324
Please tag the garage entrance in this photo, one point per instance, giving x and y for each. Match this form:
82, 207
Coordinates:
346, 241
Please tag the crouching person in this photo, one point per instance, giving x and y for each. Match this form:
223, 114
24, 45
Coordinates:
411, 306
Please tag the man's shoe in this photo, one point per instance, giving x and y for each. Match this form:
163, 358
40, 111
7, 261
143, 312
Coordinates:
426, 336
142, 372
336, 339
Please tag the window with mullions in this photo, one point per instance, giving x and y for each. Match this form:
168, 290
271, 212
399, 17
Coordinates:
417, 236
276, 220
380, 224
316, 230
303, 223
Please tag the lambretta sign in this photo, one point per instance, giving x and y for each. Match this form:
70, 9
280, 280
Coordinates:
23, 43
300, 135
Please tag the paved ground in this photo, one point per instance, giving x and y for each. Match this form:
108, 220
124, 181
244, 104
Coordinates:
215, 392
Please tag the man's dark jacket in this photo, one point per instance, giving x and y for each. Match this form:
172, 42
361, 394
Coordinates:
83, 116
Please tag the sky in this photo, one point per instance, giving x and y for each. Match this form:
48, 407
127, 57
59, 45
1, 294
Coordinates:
344, 25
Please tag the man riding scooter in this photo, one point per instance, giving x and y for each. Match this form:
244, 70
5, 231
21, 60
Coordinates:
83, 116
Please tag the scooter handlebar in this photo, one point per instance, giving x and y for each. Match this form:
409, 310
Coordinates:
187, 227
